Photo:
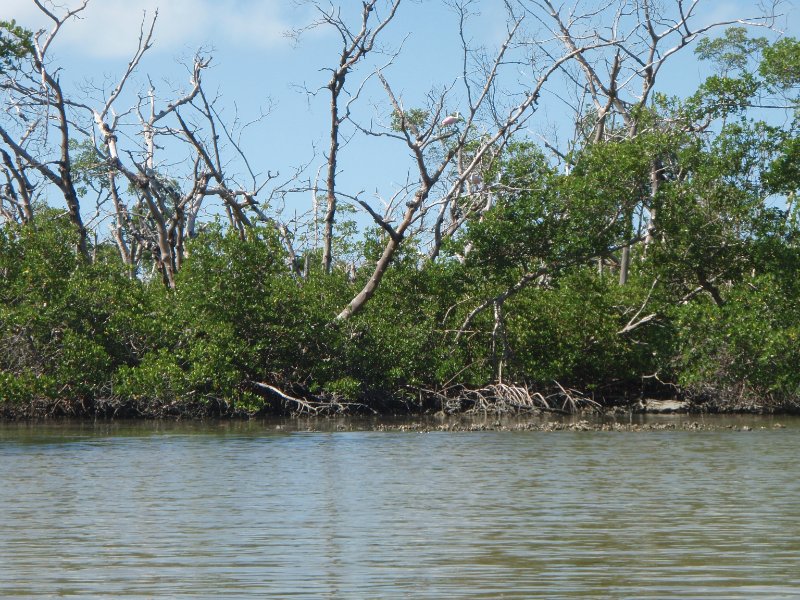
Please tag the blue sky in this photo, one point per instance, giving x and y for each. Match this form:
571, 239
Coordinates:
257, 66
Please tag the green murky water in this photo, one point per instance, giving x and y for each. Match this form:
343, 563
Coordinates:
264, 510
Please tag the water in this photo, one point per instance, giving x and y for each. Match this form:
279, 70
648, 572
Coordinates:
258, 510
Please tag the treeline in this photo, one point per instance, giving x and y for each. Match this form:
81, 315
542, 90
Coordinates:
658, 255
238, 330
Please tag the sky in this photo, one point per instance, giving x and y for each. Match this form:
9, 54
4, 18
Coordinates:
256, 67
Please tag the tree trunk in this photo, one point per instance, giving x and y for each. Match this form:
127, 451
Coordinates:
357, 303
624, 265
656, 177
395, 239
335, 87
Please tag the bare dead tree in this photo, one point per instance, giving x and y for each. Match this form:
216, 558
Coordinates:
462, 152
637, 38
620, 63
162, 231
193, 123
154, 196
357, 41
612, 55
34, 94
16, 195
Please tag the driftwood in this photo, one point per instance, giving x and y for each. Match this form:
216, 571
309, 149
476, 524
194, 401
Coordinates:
316, 405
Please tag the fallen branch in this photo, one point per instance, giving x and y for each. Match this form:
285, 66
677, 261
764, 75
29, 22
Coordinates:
302, 405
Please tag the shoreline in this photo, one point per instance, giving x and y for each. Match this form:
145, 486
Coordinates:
616, 412
419, 424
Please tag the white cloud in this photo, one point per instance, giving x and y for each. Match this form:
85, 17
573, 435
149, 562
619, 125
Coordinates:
110, 28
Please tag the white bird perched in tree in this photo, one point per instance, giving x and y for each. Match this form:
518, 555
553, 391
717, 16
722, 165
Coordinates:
451, 119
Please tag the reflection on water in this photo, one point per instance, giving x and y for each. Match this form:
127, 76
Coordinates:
263, 510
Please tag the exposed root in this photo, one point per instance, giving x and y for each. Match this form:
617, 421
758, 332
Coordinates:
502, 398
739, 398
573, 401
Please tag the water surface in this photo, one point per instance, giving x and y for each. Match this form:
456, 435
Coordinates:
263, 510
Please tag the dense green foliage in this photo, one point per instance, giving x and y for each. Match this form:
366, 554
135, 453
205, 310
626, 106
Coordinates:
528, 293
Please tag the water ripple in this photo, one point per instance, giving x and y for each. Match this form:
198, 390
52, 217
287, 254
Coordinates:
210, 513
